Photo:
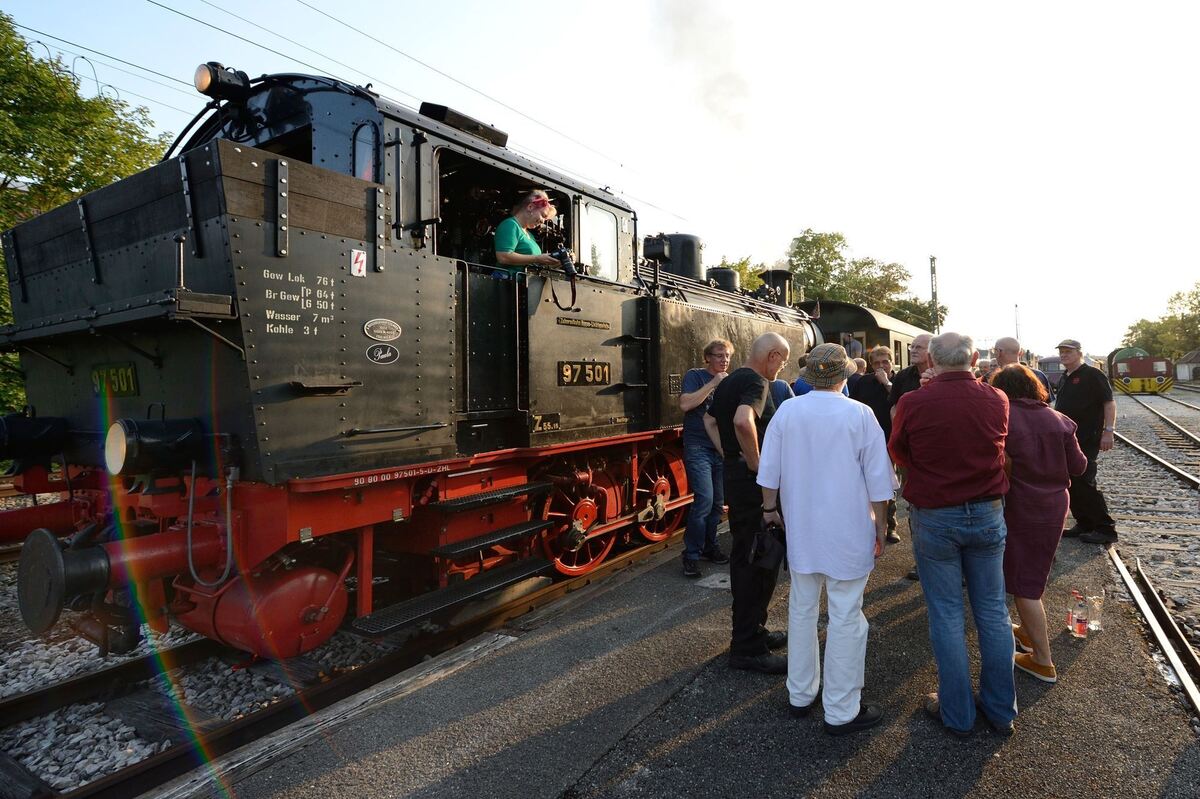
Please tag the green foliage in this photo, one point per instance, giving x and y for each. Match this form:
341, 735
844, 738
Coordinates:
1174, 334
916, 311
54, 146
747, 272
822, 268
819, 261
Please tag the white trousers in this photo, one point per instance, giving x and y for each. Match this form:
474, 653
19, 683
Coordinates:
845, 644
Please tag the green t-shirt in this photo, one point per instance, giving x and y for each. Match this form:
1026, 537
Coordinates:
511, 237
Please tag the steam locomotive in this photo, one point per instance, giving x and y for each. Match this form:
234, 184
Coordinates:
280, 385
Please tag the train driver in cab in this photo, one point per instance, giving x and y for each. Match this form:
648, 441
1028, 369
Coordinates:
515, 248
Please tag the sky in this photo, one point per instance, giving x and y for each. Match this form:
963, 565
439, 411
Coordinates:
1045, 153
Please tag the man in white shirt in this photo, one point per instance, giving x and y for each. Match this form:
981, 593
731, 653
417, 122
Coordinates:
827, 478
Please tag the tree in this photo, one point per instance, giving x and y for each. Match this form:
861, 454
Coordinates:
1148, 335
1173, 334
819, 262
747, 272
54, 146
874, 283
821, 266
916, 311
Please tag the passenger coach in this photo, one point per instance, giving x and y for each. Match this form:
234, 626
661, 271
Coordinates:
860, 329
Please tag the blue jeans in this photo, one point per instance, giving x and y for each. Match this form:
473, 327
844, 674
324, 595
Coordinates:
705, 476
950, 544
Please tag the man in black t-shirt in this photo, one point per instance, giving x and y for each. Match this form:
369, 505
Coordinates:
873, 390
909, 378
1085, 396
735, 422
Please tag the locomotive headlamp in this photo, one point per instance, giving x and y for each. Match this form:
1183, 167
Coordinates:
136, 447
216, 81
30, 437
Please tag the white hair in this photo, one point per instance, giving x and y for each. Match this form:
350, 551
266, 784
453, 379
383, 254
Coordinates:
952, 350
763, 345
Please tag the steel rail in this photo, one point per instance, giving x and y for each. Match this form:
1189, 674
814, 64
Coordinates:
1170, 638
104, 683
1181, 402
1180, 473
1191, 389
1178, 427
156, 770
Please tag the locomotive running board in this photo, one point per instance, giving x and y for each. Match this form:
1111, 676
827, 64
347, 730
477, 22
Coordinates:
403, 614
473, 501
460, 548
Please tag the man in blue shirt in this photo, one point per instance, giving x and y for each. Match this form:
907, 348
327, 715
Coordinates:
704, 465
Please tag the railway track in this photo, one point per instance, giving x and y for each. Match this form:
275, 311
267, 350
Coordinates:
1178, 437
196, 736
1172, 445
1171, 640
1178, 401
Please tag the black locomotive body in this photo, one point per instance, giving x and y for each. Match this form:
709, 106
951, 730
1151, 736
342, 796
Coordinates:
284, 377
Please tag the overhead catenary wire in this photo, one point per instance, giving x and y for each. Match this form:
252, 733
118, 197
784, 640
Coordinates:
240, 38
377, 81
121, 89
97, 52
328, 58
190, 94
527, 153
323, 70
464, 84
150, 99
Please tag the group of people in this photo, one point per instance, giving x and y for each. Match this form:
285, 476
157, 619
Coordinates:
988, 469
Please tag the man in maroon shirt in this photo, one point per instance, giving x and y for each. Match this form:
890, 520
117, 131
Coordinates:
950, 436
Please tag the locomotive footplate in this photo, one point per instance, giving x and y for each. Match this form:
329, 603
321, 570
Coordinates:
412, 611
491, 497
460, 548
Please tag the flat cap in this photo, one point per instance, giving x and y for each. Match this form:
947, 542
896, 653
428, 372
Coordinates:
1070, 343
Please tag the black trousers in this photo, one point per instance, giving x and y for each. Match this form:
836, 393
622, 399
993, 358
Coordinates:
1087, 503
891, 514
752, 586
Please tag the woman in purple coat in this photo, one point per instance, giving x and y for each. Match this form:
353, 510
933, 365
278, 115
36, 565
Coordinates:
1043, 454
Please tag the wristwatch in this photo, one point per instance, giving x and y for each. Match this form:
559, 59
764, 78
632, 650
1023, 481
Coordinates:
1109, 430
771, 510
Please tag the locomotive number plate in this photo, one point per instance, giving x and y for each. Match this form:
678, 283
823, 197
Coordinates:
584, 373
115, 380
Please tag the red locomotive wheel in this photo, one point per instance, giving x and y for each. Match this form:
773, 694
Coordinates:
655, 488
574, 515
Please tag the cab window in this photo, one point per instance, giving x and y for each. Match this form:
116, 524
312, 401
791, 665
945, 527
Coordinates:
364, 152
598, 241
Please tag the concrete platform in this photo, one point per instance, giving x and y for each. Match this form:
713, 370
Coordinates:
623, 691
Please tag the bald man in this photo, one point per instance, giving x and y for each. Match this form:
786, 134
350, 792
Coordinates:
741, 408
1008, 350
